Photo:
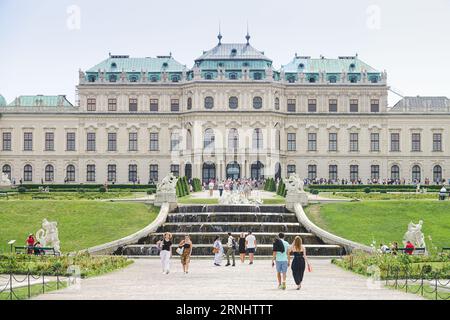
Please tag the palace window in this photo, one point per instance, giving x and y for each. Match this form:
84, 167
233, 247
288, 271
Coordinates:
437, 142
133, 105
112, 78
257, 76
415, 142
90, 172
374, 141
291, 105
332, 141
375, 172
112, 172
395, 142
208, 139
7, 141
312, 79
277, 103
28, 141
374, 105
353, 79
373, 79
312, 105
312, 141
154, 79
27, 173
291, 141
112, 104
208, 76
333, 172
175, 78
174, 105
7, 170
154, 105
233, 102
91, 104
332, 105
415, 173
132, 141
437, 174
175, 169
49, 173
354, 142
132, 173
353, 105
209, 102
49, 141
232, 76
153, 176
233, 140
257, 103
112, 141
332, 79
354, 172
290, 169
90, 143
154, 141
174, 141
133, 79
189, 103
291, 79
395, 172
312, 171
257, 142
70, 173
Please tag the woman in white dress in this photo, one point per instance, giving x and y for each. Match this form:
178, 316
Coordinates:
218, 251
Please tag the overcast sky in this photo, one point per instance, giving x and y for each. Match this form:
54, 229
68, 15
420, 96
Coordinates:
44, 43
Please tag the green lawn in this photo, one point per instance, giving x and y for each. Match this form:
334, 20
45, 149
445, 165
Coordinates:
380, 196
384, 221
35, 290
81, 224
72, 195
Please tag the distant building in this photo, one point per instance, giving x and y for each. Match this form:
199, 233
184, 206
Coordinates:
230, 115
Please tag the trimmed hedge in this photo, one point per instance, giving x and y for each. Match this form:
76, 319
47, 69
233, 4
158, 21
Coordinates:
270, 185
196, 185
281, 191
182, 187
372, 187
87, 187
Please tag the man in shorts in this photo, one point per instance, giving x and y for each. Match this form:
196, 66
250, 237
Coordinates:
282, 260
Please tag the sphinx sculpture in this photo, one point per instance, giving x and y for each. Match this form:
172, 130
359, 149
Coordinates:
48, 235
294, 184
166, 190
295, 192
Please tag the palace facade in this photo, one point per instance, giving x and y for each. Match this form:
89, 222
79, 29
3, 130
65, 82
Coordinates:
230, 115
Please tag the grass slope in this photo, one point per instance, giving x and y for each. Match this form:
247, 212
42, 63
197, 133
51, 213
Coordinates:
81, 224
384, 221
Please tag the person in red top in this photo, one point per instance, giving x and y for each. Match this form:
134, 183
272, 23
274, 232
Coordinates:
30, 243
409, 247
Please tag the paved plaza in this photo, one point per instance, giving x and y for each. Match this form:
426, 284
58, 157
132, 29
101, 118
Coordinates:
144, 280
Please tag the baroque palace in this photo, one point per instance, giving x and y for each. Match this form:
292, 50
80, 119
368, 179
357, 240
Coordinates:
230, 115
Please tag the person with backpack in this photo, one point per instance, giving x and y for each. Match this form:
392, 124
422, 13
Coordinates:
281, 258
231, 249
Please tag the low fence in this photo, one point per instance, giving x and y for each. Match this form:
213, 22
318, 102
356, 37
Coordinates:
26, 283
427, 284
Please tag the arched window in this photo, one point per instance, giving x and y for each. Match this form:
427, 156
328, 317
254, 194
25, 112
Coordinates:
277, 103
312, 172
209, 102
208, 76
27, 173
415, 173
188, 171
233, 102
257, 141
7, 170
233, 170
208, 171
208, 139
257, 76
188, 140
175, 78
437, 174
112, 78
353, 79
291, 79
133, 79
233, 76
233, 139
70, 173
312, 79
257, 103
49, 173
332, 79
154, 78
257, 170
189, 103
373, 79
395, 172
91, 78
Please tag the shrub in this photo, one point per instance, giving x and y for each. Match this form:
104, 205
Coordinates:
102, 189
314, 191
21, 189
367, 190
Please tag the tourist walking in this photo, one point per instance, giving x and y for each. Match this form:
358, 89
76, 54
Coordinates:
231, 249
250, 246
165, 245
220, 187
186, 247
281, 259
242, 247
211, 188
218, 251
299, 262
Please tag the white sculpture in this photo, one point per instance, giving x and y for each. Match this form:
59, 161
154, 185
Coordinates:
238, 198
167, 184
5, 181
294, 184
415, 235
48, 235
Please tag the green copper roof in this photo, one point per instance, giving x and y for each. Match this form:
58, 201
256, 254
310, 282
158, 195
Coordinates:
41, 101
127, 64
2, 101
233, 51
347, 64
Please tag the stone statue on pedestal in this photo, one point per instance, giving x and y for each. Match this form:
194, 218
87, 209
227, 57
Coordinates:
415, 235
295, 192
48, 235
5, 182
166, 190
